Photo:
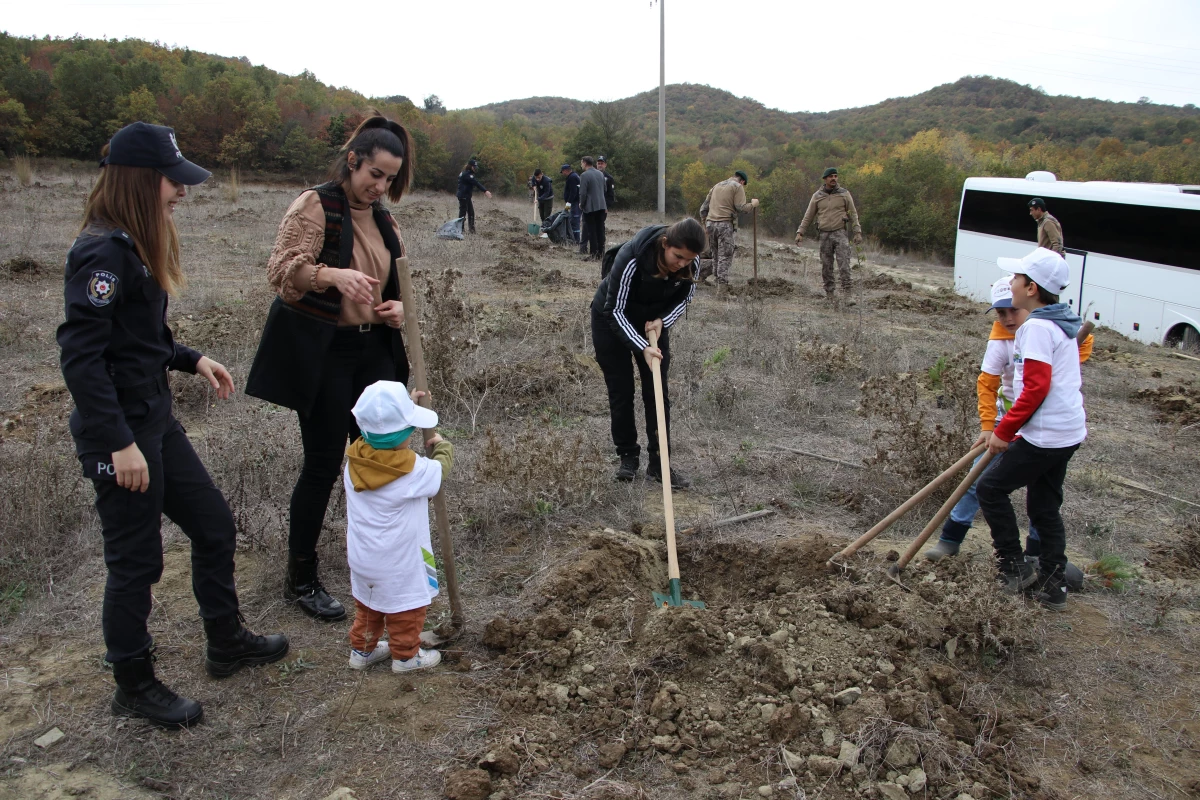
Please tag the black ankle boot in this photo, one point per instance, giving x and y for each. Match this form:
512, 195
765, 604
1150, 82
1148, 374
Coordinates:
628, 469
654, 472
305, 588
140, 694
232, 646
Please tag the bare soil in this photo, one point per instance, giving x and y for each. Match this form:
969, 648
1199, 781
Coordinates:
793, 682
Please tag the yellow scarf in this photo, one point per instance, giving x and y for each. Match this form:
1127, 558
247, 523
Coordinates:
371, 468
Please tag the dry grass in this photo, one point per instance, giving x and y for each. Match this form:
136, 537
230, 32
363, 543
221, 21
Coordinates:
508, 345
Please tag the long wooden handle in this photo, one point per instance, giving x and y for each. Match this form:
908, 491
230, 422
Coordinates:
904, 507
416, 353
754, 217
660, 411
944, 511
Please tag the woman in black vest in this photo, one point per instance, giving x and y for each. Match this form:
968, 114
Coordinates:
649, 287
334, 328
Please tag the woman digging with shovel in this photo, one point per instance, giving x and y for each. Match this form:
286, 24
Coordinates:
649, 287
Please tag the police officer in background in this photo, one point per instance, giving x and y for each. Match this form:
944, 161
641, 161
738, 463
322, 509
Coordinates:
467, 184
571, 198
544, 188
610, 186
116, 351
1049, 229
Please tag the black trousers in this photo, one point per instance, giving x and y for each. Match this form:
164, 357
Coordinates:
614, 357
466, 208
353, 362
131, 522
545, 208
593, 233
1042, 470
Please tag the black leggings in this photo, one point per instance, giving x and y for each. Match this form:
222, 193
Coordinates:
353, 362
466, 208
614, 356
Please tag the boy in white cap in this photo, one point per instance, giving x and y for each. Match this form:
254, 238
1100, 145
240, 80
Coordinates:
393, 576
1037, 437
994, 390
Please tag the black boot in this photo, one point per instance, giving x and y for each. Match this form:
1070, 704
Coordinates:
304, 587
654, 471
140, 694
232, 646
1052, 591
628, 469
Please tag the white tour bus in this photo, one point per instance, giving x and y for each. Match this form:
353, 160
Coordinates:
1133, 249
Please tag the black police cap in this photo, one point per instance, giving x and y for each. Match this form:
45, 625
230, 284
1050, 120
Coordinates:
141, 144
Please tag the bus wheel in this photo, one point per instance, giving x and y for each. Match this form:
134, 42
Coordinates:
1184, 337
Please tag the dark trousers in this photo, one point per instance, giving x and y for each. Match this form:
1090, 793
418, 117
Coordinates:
131, 522
575, 217
1042, 470
593, 233
466, 208
353, 362
614, 356
545, 208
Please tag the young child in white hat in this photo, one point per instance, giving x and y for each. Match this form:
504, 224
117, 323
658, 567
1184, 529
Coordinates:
393, 576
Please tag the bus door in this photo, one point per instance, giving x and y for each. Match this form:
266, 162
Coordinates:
1077, 266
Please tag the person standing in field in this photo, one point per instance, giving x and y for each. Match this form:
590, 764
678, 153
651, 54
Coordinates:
610, 186
334, 327
719, 213
1049, 229
544, 187
467, 184
833, 209
595, 212
116, 351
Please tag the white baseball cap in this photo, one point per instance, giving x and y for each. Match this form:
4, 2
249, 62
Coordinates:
1044, 267
384, 407
1002, 293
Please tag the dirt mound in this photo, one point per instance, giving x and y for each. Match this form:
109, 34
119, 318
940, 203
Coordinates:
519, 270
772, 287
882, 280
23, 265
1173, 405
494, 222
790, 677
923, 304
417, 213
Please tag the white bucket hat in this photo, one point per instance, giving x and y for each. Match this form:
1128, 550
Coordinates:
384, 407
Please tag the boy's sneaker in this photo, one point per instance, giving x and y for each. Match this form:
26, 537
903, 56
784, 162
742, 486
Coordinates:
654, 472
1014, 576
628, 469
1053, 592
362, 660
941, 550
422, 660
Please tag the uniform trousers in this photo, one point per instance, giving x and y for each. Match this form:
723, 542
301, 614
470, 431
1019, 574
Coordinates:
835, 243
353, 362
593, 233
466, 208
614, 357
545, 208
722, 242
131, 523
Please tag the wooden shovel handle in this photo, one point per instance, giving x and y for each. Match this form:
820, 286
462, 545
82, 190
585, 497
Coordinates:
660, 411
907, 505
944, 511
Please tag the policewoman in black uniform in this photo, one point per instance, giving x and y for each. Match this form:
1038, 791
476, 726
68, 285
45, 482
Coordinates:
467, 184
116, 351
649, 286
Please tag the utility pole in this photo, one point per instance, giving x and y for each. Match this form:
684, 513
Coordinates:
662, 109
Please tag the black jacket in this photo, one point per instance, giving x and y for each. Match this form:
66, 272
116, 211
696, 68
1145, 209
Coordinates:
571, 193
610, 190
545, 188
467, 184
115, 335
633, 294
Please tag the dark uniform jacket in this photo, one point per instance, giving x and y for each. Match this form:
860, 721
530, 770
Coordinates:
632, 294
610, 190
115, 336
467, 184
545, 188
571, 193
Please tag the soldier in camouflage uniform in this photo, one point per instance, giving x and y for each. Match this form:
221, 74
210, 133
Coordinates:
833, 207
719, 213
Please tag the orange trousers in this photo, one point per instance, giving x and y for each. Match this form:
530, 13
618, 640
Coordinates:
404, 630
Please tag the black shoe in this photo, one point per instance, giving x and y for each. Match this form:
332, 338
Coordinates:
140, 694
1052, 592
654, 471
232, 646
1014, 576
305, 588
628, 469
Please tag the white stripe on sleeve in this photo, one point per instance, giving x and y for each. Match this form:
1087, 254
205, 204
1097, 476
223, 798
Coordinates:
619, 307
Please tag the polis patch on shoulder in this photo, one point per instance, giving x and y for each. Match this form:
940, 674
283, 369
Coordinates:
102, 288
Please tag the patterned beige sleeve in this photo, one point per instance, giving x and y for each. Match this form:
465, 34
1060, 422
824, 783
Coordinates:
297, 246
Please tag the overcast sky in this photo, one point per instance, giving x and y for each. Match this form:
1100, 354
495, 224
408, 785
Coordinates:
790, 55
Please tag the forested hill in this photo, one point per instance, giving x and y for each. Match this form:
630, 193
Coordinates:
990, 109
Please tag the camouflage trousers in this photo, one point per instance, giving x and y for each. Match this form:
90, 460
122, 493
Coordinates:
722, 241
835, 243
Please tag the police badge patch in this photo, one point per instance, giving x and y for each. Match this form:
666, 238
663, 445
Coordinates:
102, 288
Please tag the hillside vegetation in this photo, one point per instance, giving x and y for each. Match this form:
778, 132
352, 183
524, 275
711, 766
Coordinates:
904, 159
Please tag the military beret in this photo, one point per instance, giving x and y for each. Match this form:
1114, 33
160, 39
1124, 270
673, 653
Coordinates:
742, 174
828, 172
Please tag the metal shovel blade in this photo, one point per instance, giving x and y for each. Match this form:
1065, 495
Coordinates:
893, 574
674, 597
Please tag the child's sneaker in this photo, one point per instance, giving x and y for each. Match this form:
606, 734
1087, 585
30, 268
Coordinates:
422, 660
361, 660
1053, 592
1013, 576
